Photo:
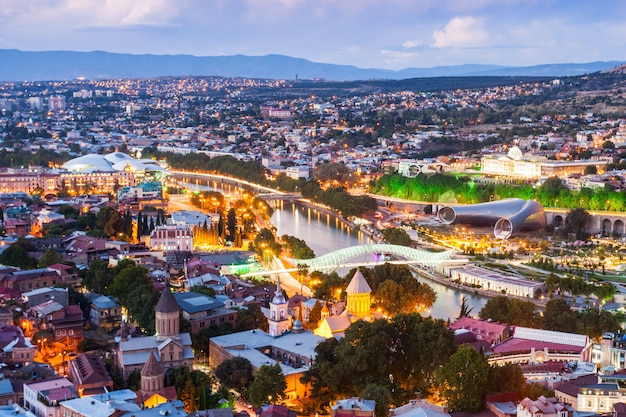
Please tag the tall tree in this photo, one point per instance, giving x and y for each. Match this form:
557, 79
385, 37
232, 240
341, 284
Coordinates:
49, 257
16, 255
109, 220
465, 308
559, 316
235, 373
464, 380
510, 311
577, 220
268, 386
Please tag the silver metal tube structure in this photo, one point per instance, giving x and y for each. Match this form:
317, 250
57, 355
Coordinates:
507, 216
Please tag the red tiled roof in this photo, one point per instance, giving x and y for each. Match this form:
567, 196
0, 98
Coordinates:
482, 329
514, 344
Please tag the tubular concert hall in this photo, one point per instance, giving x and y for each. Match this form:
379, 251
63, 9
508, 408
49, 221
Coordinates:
508, 216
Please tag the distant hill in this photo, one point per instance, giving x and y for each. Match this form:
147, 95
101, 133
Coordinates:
18, 65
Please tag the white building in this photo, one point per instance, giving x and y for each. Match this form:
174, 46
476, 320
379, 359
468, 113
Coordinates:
599, 398
492, 280
43, 397
516, 165
298, 172
171, 238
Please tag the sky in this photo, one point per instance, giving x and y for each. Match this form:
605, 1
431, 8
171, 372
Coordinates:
390, 34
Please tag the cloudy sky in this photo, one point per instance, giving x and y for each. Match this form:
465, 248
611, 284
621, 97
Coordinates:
391, 34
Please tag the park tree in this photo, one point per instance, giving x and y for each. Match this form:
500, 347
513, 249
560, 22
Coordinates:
365, 354
251, 318
331, 286
423, 345
465, 310
464, 380
510, 311
265, 240
397, 236
327, 377
17, 255
558, 316
315, 315
235, 373
577, 220
134, 290
335, 173
49, 257
381, 395
202, 289
109, 221
191, 387
98, 276
594, 323
506, 378
268, 386
551, 283
403, 293
69, 211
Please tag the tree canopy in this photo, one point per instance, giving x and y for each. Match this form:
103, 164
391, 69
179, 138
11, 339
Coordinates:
464, 380
408, 347
268, 386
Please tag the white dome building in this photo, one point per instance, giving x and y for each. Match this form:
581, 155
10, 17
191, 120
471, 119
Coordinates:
89, 163
114, 162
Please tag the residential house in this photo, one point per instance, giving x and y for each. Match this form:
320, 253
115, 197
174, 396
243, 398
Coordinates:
90, 375
7, 395
44, 397
42, 295
354, 407
68, 274
543, 407
15, 349
105, 312
114, 403
203, 311
419, 408
29, 280
68, 329
275, 410
567, 391
536, 345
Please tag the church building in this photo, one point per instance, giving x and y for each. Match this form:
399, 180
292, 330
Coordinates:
170, 347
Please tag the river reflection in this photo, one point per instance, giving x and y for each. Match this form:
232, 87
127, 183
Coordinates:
325, 234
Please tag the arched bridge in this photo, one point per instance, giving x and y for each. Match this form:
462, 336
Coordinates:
338, 258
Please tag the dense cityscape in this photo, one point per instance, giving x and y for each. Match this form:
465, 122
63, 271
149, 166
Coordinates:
467, 252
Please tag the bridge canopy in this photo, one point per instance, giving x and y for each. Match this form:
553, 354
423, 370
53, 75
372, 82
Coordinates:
336, 259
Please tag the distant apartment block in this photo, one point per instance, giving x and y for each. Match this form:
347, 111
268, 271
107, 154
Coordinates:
276, 113
56, 103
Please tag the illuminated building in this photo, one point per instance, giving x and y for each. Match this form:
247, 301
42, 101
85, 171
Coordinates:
169, 238
172, 348
515, 165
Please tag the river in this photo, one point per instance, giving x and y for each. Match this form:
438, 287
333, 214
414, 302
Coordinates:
325, 234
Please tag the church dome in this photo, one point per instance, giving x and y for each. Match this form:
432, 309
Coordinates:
167, 303
358, 284
279, 298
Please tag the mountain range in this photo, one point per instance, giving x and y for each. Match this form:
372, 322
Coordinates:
16, 65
